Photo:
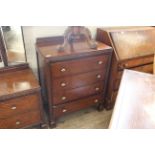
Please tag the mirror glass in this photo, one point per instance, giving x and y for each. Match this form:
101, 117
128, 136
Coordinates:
14, 44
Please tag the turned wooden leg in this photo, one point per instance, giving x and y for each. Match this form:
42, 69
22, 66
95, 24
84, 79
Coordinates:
44, 126
100, 107
53, 123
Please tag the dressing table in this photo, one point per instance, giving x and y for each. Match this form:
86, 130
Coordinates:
20, 97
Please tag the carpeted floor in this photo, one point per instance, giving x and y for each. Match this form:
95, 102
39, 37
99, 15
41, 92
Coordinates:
85, 119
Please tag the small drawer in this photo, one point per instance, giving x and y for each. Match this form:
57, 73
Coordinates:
136, 62
65, 68
18, 105
73, 94
21, 121
77, 105
79, 80
145, 68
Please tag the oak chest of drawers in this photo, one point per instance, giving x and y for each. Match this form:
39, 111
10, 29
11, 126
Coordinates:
72, 80
134, 49
20, 99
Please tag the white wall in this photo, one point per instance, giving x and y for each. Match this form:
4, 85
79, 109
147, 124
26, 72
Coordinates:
33, 32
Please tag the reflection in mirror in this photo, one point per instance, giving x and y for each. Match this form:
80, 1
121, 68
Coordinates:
14, 45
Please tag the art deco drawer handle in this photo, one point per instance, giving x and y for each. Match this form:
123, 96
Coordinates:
98, 76
64, 110
13, 108
63, 70
96, 100
97, 89
63, 84
100, 62
17, 123
63, 98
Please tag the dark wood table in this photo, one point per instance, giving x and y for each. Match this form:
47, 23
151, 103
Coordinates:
135, 104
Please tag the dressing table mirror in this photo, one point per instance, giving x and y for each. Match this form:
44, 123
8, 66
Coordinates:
12, 47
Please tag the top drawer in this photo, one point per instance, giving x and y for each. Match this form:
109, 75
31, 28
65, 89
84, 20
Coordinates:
70, 67
19, 105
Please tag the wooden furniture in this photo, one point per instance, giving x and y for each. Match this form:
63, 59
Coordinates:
134, 49
20, 98
135, 104
72, 79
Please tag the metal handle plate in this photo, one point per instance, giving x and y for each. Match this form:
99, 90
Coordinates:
63, 84
100, 62
64, 110
17, 123
13, 108
63, 70
63, 98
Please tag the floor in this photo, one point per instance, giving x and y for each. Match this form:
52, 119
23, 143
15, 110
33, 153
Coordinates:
85, 119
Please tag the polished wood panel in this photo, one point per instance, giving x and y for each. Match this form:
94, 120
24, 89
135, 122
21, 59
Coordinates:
22, 81
130, 44
77, 105
79, 80
21, 121
18, 105
135, 104
60, 69
133, 48
72, 94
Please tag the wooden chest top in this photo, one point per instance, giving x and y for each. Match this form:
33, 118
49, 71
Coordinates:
17, 82
80, 48
131, 42
135, 104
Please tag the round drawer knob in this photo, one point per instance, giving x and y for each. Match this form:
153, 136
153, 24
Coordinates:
63, 84
13, 108
100, 62
64, 110
63, 98
97, 88
96, 100
63, 70
98, 76
17, 123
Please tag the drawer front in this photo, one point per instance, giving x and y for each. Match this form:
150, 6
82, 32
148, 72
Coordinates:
73, 94
79, 80
21, 121
18, 105
145, 68
65, 68
77, 105
136, 62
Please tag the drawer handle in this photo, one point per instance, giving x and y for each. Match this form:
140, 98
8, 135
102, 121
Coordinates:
96, 100
63, 84
64, 110
98, 76
13, 108
63, 70
63, 98
17, 123
97, 89
100, 62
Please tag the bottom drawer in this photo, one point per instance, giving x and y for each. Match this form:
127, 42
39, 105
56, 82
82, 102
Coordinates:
77, 105
21, 121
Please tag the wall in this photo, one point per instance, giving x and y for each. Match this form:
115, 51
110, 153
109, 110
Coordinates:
33, 32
